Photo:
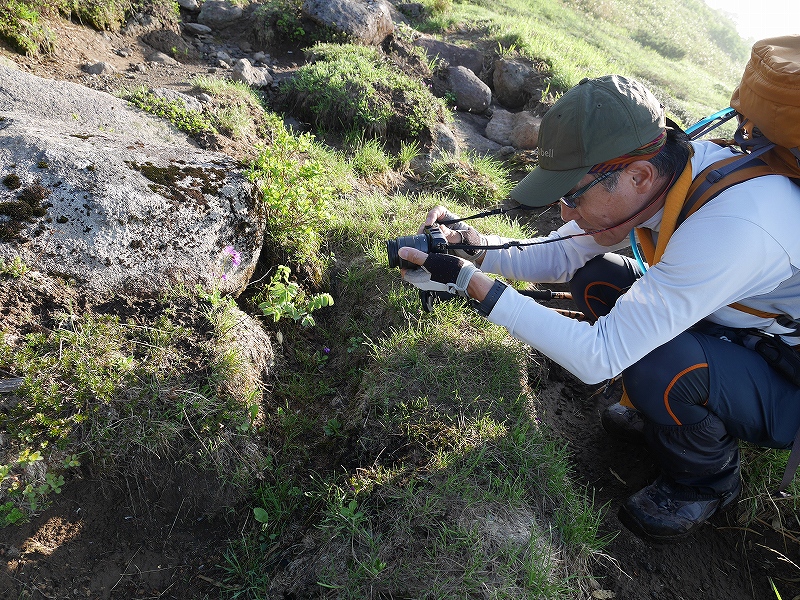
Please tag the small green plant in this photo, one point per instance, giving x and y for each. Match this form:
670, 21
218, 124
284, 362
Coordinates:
284, 298
280, 21
275, 502
190, 121
333, 428
349, 87
297, 194
370, 159
439, 7
406, 155
105, 15
14, 269
21, 28
23, 499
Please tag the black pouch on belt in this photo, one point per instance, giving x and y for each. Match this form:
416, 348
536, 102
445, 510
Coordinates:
781, 356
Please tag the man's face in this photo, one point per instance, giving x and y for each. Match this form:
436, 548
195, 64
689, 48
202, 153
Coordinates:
598, 209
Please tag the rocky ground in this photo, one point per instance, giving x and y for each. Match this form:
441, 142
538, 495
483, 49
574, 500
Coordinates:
141, 541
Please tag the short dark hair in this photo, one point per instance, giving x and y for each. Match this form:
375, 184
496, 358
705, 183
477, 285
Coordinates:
670, 160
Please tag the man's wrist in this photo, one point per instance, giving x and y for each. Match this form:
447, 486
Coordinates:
485, 306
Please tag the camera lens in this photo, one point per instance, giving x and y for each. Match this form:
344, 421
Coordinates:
420, 242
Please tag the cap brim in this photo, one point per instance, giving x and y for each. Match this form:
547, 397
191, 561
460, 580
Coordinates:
542, 187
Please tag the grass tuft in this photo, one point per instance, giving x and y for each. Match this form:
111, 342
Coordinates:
478, 181
355, 88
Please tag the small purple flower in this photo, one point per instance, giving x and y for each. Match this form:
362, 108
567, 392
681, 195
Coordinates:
236, 258
326, 350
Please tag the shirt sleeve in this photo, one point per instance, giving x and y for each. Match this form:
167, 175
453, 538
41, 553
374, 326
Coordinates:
552, 259
710, 262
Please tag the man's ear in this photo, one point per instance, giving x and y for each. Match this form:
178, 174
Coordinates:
643, 175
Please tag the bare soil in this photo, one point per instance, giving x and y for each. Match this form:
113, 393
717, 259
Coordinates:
139, 538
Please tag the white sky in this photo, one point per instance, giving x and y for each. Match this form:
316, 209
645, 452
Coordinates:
757, 19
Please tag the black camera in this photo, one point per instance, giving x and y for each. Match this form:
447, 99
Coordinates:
431, 240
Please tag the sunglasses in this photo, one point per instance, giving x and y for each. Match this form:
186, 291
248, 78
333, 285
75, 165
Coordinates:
569, 200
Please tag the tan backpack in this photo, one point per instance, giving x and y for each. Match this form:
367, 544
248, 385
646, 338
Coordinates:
767, 104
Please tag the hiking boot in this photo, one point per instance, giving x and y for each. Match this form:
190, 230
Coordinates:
624, 423
663, 512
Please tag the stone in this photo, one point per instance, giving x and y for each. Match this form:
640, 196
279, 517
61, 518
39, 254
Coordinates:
500, 127
469, 129
520, 130
472, 94
454, 56
218, 14
160, 57
170, 43
100, 68
444, 141
257, 77
121, 201
367, 21
514, 82
525, 134
197, 28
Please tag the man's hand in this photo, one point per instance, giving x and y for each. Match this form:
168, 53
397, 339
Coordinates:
437, 272
444, 273
440, 213
456, 233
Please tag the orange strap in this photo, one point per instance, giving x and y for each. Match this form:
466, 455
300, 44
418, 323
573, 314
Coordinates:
669, 222
678, 195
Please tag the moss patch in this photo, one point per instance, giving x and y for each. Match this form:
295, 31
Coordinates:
181, 183
26, 208
12, 181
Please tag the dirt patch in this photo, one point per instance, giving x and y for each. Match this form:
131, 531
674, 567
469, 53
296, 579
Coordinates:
113, 541
142, 538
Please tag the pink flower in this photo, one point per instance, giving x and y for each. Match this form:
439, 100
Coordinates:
236, 258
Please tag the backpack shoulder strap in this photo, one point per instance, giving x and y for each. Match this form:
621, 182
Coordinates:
718, 177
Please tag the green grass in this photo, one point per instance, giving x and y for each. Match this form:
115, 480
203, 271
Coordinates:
690, 55
22, 26
114, 393
191, 121
480, 181
22, 29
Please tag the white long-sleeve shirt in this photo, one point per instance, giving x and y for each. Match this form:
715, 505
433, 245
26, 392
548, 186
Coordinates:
742, 246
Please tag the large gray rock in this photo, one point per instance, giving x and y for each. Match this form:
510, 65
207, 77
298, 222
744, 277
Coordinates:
219, 15
368, 21
472, 94
514, 82
120, 201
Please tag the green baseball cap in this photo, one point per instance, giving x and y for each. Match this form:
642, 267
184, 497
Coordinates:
594, 122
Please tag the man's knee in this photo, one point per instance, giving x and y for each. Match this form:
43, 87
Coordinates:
670, 384
597, 285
